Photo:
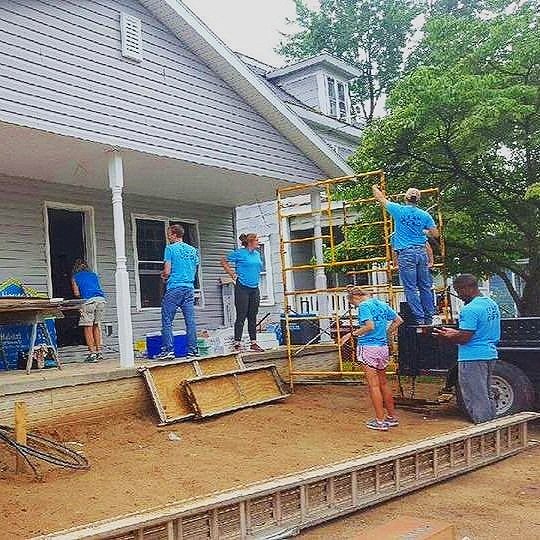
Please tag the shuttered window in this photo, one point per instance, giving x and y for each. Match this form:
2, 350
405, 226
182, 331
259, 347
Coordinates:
131, 32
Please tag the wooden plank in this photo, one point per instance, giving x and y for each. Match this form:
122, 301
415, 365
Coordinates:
219, 364
21, 430
198, 510
165, 386
216, 394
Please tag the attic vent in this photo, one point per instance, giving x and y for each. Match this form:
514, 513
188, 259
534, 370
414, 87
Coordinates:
131, 31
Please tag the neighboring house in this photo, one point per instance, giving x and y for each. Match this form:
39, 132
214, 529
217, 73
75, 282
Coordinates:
317, 91
118, 117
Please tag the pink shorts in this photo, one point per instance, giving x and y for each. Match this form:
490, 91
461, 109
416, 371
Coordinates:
374, 356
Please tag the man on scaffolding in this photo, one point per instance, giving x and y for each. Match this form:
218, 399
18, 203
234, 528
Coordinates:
411, 227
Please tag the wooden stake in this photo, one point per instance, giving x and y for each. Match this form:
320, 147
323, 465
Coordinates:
21, 424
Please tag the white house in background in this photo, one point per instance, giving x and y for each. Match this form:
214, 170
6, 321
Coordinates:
119, 117
317, 91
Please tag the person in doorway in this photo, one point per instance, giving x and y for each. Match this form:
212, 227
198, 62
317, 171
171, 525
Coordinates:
378, 321
179, 270
477, 335
246, 275
412, 225
86, 285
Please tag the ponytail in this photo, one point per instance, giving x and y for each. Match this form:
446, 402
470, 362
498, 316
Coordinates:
245, 239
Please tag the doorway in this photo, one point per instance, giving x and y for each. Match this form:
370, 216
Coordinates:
68, 239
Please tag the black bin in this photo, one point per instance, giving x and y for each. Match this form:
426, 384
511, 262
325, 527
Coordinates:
304, 328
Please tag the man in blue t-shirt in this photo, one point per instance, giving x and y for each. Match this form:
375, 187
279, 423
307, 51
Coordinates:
477, 336
179, 271
411, 226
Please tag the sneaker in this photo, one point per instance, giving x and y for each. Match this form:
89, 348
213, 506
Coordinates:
237, 347
99, 356
165, 356
391, 421
91, 358
376, 425
255, 347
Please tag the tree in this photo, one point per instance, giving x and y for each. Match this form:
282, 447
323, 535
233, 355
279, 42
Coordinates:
466, 119
370, 34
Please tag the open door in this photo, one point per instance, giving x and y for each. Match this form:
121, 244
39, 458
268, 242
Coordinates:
67, 241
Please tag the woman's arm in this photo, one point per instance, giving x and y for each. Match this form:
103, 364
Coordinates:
75, 289
228, 268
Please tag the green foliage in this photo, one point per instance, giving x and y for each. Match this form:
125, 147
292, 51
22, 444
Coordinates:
370, 34
466, 118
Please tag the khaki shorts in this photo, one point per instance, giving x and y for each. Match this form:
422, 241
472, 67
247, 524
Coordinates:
92, 313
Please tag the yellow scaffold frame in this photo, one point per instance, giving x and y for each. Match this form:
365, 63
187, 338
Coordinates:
370, 265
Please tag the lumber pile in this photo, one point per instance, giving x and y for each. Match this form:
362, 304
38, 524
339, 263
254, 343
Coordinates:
209, 386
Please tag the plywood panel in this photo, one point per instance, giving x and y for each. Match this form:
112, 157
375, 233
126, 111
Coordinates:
258, 385
217, 394
221, 364
165, 385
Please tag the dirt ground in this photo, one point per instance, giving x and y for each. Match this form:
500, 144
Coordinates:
498, 502
136, 467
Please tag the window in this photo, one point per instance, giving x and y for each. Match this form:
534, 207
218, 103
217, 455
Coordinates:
149, 243
131, 34
337, 99
267, 283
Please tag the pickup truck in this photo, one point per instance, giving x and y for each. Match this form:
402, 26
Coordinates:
516, 378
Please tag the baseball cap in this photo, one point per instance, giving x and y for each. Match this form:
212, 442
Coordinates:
412, 194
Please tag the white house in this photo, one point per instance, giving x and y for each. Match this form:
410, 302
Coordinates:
317, 91
118, 117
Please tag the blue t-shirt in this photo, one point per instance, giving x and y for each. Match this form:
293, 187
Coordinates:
248, 264
381, 314
184, 260
88, 284
481, 316
410, 222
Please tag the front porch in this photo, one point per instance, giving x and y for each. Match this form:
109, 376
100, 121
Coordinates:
121, 202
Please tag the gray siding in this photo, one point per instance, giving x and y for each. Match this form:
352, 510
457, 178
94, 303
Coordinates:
22, 242
61, 70
343, 146
304, 89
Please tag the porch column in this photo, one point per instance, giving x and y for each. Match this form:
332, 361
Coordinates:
123, 297
319, 273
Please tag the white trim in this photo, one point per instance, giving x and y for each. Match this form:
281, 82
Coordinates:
339, 128
89, 235
321, 92
337, 64
165, 220
268, 270
222, 60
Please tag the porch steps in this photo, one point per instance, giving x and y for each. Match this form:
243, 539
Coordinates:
209, 386
280, 508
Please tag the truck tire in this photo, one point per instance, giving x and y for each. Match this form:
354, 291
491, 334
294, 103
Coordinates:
513, 390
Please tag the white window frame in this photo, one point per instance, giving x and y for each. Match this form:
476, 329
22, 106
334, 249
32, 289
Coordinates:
199, 293
268, 271
89, 235
346, 96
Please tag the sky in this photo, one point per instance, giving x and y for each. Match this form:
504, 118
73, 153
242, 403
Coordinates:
251, 27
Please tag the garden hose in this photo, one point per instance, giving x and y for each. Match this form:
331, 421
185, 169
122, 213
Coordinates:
44, 449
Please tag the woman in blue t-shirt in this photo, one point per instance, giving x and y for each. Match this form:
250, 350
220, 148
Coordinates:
87, 287
246, 275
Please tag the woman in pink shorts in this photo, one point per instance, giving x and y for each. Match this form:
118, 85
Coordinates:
377, 321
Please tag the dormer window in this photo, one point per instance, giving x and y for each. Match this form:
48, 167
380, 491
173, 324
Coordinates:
338, 105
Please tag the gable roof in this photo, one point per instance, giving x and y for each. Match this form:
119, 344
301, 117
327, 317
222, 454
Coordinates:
222, 60
337, 65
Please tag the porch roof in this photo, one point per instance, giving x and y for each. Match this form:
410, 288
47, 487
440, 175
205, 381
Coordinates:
41, 155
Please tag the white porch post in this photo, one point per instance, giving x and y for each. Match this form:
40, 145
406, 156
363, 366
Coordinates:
319, 273
123, 297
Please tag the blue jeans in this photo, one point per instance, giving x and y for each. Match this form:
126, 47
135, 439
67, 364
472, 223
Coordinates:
417, 282
183, 298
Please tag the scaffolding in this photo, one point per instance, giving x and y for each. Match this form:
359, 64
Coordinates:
351, 236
